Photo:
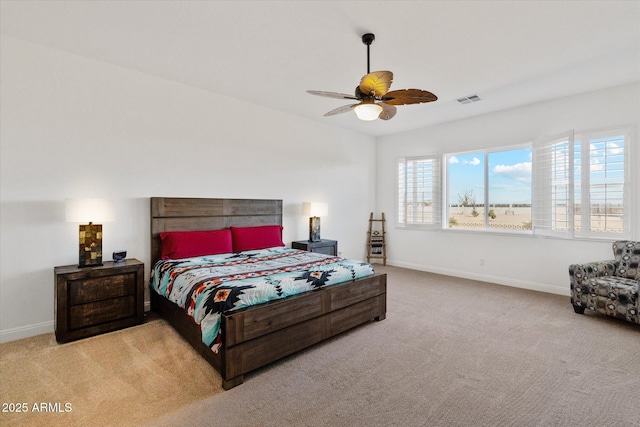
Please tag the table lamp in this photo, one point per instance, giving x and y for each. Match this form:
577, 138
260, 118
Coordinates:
86, 212
314, 210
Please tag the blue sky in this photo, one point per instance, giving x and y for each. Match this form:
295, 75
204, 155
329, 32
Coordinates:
509, 175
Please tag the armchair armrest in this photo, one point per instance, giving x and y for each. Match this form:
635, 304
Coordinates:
582, 272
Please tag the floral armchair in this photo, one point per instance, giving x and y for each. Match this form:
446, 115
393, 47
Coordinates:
609, 287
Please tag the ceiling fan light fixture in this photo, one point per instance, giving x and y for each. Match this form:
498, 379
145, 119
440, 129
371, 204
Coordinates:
368, 111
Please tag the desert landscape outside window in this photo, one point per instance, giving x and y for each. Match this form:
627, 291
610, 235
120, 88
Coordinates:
490, 190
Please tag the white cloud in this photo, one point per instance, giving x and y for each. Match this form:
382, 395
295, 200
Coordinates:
595, 165
614, 148
455, 160
611, 149
519, 171
474, 162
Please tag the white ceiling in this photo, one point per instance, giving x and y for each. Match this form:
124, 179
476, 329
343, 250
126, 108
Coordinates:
509, 53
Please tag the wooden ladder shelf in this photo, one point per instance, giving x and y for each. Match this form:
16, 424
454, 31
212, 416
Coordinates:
376, 247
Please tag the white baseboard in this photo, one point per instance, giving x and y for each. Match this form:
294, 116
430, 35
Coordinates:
26, 331
505, 281
47, 327
37, 329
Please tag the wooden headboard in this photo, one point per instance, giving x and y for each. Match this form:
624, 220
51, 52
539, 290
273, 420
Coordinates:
188, 214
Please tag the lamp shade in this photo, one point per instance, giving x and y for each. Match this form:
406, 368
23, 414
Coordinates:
89, 210
368, 112
315, 209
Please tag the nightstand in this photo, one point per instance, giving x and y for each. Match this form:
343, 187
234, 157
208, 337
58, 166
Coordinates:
323, 246
93, 300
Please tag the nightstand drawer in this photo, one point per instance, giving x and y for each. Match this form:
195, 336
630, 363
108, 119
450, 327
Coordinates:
81, 316
94, 300
99, 288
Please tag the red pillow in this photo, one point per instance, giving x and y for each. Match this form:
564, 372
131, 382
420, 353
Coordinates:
253, 238
186, 244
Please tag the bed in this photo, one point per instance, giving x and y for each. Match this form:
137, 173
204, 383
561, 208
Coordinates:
255, 336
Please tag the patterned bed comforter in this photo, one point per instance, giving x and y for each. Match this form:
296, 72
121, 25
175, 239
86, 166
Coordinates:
210, 285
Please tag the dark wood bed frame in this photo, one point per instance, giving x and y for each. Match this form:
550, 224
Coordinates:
256, 336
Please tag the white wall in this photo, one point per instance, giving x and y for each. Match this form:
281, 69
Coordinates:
72, 127
523, 261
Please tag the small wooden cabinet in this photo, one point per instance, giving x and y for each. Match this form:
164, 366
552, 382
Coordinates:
93, 300
323, 246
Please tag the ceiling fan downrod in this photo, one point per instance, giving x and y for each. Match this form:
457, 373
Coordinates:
368, 39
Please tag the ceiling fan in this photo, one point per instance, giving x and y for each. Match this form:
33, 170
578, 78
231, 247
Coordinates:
373, 93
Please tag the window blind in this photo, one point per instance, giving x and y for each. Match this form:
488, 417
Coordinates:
419, 191
553, 185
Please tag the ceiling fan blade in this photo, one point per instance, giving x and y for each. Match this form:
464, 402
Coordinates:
340, 110
376, 83
408, 96
331, 94
388, 111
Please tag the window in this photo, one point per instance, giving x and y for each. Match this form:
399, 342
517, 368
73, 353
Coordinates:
465, 190
565, 185
490, 190
553, 187
580, 185
600, 200
509, 177
419, 194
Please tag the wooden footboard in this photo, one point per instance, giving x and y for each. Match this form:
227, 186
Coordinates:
256, 336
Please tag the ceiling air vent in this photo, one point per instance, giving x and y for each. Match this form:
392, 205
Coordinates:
469, 99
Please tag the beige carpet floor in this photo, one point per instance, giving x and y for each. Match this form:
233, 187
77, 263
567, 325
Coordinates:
451, 352
125, 377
